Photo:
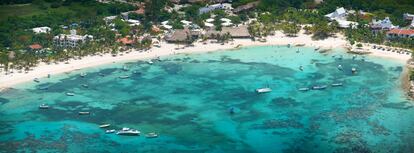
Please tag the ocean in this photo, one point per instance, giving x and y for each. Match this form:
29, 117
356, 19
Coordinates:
207, 103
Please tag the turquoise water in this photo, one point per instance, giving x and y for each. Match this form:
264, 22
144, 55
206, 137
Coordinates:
186, 99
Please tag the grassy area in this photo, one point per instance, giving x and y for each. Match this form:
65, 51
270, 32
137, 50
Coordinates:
18, 10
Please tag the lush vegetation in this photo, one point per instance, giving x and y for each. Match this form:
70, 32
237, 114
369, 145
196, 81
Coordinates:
18, 17
85, 16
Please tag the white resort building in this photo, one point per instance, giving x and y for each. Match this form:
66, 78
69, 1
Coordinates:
70, 41
385, 24
223, 6
408, 16
38, 30
340, 15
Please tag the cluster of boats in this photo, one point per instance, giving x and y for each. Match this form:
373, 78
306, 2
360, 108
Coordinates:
127, 131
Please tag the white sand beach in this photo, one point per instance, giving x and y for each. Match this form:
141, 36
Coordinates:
42, 70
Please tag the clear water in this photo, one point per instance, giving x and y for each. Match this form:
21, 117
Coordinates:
186, 99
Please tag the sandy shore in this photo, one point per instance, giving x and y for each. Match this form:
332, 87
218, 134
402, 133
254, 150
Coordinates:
385, 54
169, 49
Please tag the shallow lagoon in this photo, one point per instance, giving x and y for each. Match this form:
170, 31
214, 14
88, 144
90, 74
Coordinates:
186, 98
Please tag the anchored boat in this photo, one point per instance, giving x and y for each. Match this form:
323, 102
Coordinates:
319, 87
124, 77
151, 135
44, 106
84, 113
354, 70
128, 132
263, 90
70, 94
104, 125
336, 84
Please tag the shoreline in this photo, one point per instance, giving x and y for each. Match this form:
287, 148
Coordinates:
166, 49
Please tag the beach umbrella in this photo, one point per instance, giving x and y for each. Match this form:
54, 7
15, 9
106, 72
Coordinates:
11, 55
210, 20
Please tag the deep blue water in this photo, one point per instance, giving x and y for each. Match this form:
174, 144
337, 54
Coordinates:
186, 99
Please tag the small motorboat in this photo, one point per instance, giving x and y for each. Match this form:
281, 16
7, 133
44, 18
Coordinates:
301, 68
84, 113
340, 67
150, 62
124, 77
85, 85
151, 135
104, 125
354, 70
125, 68
36, 80
304, 89
43, 88
319, 87
82, 74
70, 94
110, 131
101, 74
336, 84
263, 90
43, 106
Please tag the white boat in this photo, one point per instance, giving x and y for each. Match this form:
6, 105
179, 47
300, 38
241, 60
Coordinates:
110, 131
36, 80
85, 85
151, 135
263, 90
128, 132
125, 68
83, 74
104, 125
43, 106
303, 89
84, 113
319, 87
150, 62
339, 67
43, 88
353, 70
70, 94
336, 84
124, 77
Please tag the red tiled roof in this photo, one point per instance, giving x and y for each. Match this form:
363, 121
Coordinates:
140, 11
125, 41
155, 29
35, 46
401, 31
